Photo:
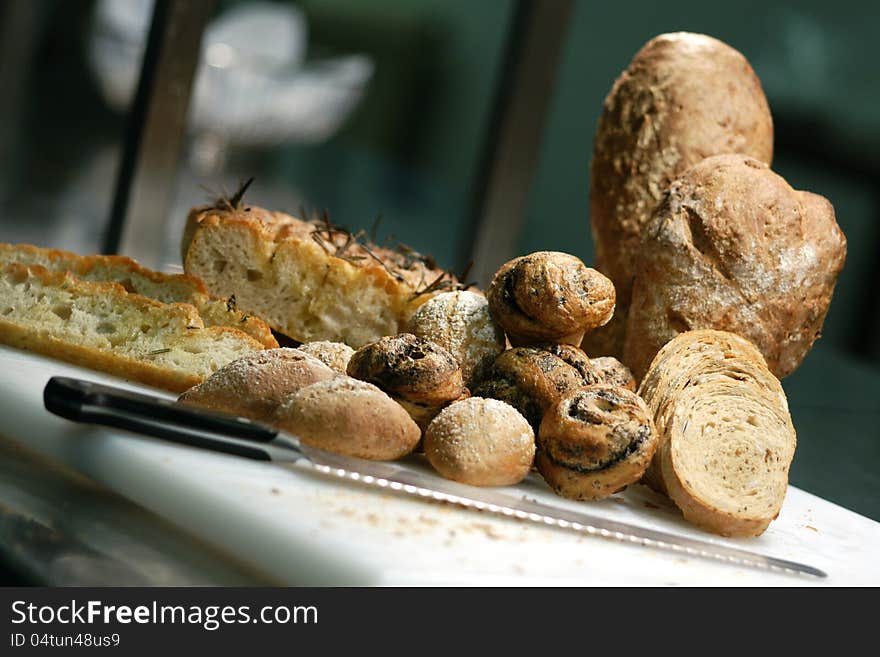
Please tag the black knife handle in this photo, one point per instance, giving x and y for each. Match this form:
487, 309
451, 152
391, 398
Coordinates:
85, 401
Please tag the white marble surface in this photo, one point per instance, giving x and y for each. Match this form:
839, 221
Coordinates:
300, 528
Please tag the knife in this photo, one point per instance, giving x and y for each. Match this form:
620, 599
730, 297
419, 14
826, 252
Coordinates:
85, 401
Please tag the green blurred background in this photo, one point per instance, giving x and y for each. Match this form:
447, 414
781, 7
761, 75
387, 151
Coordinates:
411, 152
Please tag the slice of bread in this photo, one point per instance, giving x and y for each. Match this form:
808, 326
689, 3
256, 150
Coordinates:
102, 326
309, 280
167, 288
726, 436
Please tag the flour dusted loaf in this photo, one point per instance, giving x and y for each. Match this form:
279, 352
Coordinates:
461, 323
726, 440
683, 97
309, 280
255, 385
104, 327
351, 417
733, 247
167, 288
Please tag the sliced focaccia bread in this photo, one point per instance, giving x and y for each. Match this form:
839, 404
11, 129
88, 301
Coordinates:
726, 436
102, 326
309, 280
167, 288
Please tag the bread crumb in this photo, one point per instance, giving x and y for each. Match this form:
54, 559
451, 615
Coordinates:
812, 528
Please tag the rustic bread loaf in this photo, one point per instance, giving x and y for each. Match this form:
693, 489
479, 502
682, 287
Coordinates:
104, 327
726, 440
683, 97
167, 288
733, 247
309, 280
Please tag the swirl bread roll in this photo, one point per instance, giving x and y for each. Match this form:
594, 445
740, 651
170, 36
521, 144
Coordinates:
549, 297
726, 437
351, 417
733, 247
460, 322
531, 380
684, 97
255, 385
418, 374
595, 441
482, 442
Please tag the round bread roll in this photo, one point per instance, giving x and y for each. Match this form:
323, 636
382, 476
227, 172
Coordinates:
613, 372
460, 322
735, 248
529, 379
255, 385
420, 375
334, 355
595, 441
351, 417
482, 442
549, 297
683, 98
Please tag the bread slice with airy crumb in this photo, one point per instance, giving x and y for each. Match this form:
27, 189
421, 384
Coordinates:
104, 327
726, 436
166, 288
309, 280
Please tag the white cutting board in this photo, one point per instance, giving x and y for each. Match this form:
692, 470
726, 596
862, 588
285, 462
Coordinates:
302, 529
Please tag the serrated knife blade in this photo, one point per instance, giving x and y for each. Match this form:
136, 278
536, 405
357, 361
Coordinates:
84, 401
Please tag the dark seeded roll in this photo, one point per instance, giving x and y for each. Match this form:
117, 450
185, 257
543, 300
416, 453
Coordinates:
529, 379
418, 374
595, 441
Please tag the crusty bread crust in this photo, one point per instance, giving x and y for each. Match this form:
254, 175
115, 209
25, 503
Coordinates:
733, 247
167, 288
683, 97
103, 327
308, 280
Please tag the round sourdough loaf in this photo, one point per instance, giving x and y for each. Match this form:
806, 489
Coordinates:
683, 97
726, 440
733, 247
